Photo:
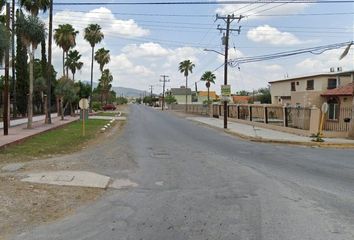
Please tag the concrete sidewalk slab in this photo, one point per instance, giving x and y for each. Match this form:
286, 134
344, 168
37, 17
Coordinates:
69, 178
264, 135
13, 167
122, 183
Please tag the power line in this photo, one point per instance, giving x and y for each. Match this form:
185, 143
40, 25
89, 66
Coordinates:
196, 2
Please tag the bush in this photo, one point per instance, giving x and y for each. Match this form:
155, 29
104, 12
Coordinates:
96, 106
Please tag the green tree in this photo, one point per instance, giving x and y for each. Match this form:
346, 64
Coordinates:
84, 89
102, 57
263, 95
4, 41
34, 6
105, 84
243, 93
65, 37
73, 62
66, 92
208, 77
170, 99
186, 67
93, 35
21, 68
32, 32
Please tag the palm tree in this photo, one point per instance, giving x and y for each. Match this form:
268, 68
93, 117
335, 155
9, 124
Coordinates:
33, 6
73, 62
105, 84
64, 37
186, 67
102, 57
32, 31
65, 91
93, 35
208, 77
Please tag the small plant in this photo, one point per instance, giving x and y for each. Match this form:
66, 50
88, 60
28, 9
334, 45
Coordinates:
317, 137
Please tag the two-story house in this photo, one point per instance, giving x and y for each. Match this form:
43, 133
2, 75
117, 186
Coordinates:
306, 91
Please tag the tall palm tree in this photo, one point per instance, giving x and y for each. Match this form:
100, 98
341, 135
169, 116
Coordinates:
93, 35
208, 77
64, 37
102, 57
73, 62
34, 6
105, 84
186, 67
32, 31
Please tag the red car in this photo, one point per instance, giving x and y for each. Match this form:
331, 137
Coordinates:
109, 107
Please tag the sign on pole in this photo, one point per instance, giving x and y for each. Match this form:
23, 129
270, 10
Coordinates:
324, 107
84, 105
225, 93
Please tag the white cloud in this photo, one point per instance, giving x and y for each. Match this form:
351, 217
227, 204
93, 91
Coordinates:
252, 10
149, 50
271, 35
105, 18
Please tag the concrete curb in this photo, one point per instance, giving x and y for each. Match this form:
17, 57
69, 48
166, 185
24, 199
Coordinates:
263, 140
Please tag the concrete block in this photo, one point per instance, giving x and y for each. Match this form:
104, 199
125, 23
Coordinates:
69, 178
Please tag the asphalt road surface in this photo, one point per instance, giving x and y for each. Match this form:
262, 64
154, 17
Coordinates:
199, 183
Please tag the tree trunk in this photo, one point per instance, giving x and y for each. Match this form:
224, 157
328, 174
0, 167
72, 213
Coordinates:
62, 107
73, 76
58, 106
30, 96
63, 63
92, 55
208, 95
67, 68
186, 91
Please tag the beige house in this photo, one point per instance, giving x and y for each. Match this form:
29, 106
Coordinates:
307, 91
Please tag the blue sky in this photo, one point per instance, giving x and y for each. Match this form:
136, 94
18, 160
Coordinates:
144, 44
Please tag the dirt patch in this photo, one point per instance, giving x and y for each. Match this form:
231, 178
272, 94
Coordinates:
26, 205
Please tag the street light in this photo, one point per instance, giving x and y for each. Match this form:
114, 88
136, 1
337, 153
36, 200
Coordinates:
225, 73
211, 50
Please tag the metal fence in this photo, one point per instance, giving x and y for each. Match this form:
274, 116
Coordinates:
342, 124
297, 117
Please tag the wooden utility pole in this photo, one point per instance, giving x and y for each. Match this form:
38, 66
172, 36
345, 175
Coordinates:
14, 105
164, 80
6, 85
48, 118
351, 129
228, 20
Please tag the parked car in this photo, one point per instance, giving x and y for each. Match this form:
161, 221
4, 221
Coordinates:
109, 107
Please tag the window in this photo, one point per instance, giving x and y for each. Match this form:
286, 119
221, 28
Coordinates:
333, 109
310, 85
332, 83
293, 88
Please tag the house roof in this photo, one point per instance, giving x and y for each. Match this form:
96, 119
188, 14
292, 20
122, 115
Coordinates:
181, 91
212, 94
328, 74
346, 90
241, 99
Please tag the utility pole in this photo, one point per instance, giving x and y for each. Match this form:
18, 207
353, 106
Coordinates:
13, 59
49, 66
164, 80
228, 20
151, 88
6, 85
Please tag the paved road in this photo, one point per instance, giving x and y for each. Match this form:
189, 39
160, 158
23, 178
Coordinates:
198, 183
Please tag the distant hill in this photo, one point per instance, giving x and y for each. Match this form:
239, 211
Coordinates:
129, 92
126, 92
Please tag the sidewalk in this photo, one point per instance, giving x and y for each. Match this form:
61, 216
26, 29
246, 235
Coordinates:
18, 131
266, 135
